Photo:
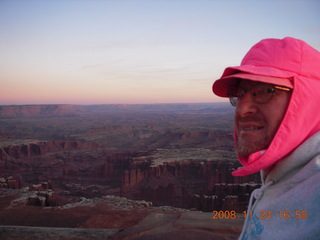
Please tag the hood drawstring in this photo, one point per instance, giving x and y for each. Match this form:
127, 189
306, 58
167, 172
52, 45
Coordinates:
257, 194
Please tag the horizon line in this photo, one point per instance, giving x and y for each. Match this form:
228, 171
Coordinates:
71, 104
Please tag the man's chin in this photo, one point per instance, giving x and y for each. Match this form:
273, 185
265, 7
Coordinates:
245, 150
243, 154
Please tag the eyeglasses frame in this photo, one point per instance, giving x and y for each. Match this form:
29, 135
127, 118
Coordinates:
234, 100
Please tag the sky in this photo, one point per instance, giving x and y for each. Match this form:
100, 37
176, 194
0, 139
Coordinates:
135, 52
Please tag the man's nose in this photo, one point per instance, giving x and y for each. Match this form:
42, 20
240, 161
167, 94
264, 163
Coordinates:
246, 105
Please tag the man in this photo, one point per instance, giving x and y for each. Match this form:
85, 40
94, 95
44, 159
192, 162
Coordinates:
276, 94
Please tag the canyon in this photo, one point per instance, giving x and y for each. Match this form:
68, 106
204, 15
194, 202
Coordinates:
175, 155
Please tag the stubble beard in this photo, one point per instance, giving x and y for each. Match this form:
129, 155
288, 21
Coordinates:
245, 148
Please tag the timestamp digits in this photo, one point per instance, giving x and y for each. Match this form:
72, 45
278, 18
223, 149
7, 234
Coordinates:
294, 214
262, 215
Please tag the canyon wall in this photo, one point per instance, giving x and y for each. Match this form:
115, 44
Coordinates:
40, 148
190, 182
205, 185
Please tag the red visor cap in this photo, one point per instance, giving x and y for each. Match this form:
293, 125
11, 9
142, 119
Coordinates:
225, 85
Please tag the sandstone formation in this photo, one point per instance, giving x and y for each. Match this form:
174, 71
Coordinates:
39, 148
199, 184
10, 182
203, 185
73, 166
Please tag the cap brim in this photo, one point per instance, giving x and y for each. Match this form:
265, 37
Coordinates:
223, 86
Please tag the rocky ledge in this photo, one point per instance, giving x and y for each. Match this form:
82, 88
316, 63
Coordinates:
109, 217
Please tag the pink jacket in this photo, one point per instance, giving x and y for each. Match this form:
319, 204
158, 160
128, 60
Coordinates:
285, 58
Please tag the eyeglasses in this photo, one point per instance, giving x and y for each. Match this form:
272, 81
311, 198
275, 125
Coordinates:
260, 94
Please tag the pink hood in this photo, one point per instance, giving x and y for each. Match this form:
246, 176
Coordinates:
291, 59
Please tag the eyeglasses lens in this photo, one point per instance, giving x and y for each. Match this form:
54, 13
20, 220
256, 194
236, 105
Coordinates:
260, 94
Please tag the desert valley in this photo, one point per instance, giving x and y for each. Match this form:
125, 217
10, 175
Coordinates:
153, 171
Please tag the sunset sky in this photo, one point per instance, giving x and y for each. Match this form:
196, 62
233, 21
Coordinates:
148, 51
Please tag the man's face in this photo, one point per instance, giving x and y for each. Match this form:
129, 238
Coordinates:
256, 124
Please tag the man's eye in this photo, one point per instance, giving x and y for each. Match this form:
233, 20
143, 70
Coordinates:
264, 91
240, 93
269, 90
